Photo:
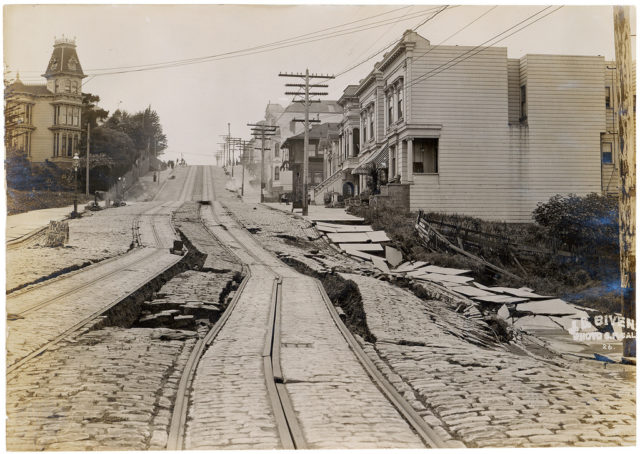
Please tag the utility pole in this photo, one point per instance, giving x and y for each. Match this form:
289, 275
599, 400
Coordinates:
627, 160
263, 131
88, 150
229, 142
305, 164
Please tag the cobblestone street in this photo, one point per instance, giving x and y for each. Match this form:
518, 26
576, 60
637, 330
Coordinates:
478, 393
115, 383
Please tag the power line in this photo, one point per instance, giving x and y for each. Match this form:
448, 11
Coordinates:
470, 53
392, 43
246, 53
293, 38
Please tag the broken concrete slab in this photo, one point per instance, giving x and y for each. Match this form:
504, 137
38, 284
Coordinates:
468, 290
551, 306
326, 229
380, 263
489, 289
410, 266
519, 292
441, 278
341, 228
349, 237
500, 299
503, 312
378, 236
393, 255
361, 247
536, 322
443, 270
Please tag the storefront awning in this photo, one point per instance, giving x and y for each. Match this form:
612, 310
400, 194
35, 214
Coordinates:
379, 158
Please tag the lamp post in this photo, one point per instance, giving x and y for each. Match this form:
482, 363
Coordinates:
76, 165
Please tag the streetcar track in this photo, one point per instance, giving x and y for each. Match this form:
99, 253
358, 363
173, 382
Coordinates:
12, 369
287, 424
102, 277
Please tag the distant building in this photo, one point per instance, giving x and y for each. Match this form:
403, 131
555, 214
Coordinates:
323, 138
49, 119
456, 130
278, 157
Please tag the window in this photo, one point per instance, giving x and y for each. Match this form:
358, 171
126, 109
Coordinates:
27, 113
276, 149
392, 166
75, 143
523, 103
607, 97
364, 129
356, 142
317, 177
390, 109
76, 116
371, 133
67, 86
425, 156
400, 98
69, 145
607, 153
276, 173
64, 145
74, 86
69, 119
55, 144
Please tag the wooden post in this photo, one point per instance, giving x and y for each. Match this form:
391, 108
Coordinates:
88, 150
627, 194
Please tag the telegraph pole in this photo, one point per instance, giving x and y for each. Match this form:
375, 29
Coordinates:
627, 160
88, 150
305, 164
263, 131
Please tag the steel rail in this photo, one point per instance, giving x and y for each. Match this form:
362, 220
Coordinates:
426, 433
288, 427
178, 422
35, 286
418, 424
102, 277
11, 369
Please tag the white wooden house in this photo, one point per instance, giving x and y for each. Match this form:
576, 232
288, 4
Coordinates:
468, 130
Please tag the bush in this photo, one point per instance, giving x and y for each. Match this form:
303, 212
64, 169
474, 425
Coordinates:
587, 224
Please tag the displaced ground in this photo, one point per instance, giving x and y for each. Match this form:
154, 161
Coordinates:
96, 236
481, 393
112, 385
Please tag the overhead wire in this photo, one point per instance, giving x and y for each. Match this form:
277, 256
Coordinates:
481, 47
392, 43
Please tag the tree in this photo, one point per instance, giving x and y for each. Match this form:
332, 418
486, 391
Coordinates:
91, 113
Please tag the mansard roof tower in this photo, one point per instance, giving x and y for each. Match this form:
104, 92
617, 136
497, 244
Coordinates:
64, 73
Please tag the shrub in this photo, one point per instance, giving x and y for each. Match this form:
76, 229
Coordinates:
587, 224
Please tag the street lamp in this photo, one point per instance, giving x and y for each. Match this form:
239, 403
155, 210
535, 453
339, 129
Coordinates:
76, 165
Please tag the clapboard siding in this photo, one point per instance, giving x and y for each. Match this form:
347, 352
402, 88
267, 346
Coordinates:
565, 117
470, 101
42, 136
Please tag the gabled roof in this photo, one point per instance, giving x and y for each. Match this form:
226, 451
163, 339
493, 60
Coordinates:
317, 132
18, 87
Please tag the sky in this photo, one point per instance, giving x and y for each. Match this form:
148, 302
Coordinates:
196, 102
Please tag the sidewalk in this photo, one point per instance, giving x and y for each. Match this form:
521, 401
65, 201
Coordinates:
320, 213
21, 225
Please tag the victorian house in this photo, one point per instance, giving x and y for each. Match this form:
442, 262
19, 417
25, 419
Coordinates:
47, 116
464, 130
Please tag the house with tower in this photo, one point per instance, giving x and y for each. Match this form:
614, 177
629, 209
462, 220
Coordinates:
47, 120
